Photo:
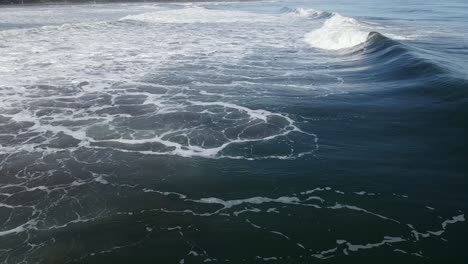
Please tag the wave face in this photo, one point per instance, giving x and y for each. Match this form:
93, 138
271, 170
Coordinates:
390, 59
216, 132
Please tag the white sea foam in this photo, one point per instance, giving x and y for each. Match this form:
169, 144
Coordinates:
253, 200
455, 219
102, 65
22, 228
418, 235
386, 240
306, 12
195, 14
338, 32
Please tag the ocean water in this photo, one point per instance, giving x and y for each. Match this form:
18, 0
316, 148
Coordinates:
238, 132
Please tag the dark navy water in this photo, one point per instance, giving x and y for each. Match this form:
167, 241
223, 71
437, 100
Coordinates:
256, 132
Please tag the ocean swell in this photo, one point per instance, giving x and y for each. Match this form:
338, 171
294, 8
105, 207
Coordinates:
373, 54
389, 59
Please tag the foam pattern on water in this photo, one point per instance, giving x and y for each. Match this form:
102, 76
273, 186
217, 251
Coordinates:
81, 99
258, 215
196, 14
88, 88
88, 109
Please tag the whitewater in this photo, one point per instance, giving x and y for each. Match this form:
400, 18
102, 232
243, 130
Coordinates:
285, 132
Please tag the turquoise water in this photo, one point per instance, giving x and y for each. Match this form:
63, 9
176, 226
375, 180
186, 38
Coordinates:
283, 132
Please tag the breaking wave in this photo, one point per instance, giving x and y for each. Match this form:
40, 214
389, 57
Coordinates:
338, 32
306, 12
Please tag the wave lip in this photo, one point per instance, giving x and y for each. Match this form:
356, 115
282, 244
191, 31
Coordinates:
338, 32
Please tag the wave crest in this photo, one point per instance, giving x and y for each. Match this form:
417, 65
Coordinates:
306, 12
338, 32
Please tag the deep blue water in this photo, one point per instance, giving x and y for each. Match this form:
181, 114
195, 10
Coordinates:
248, 132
